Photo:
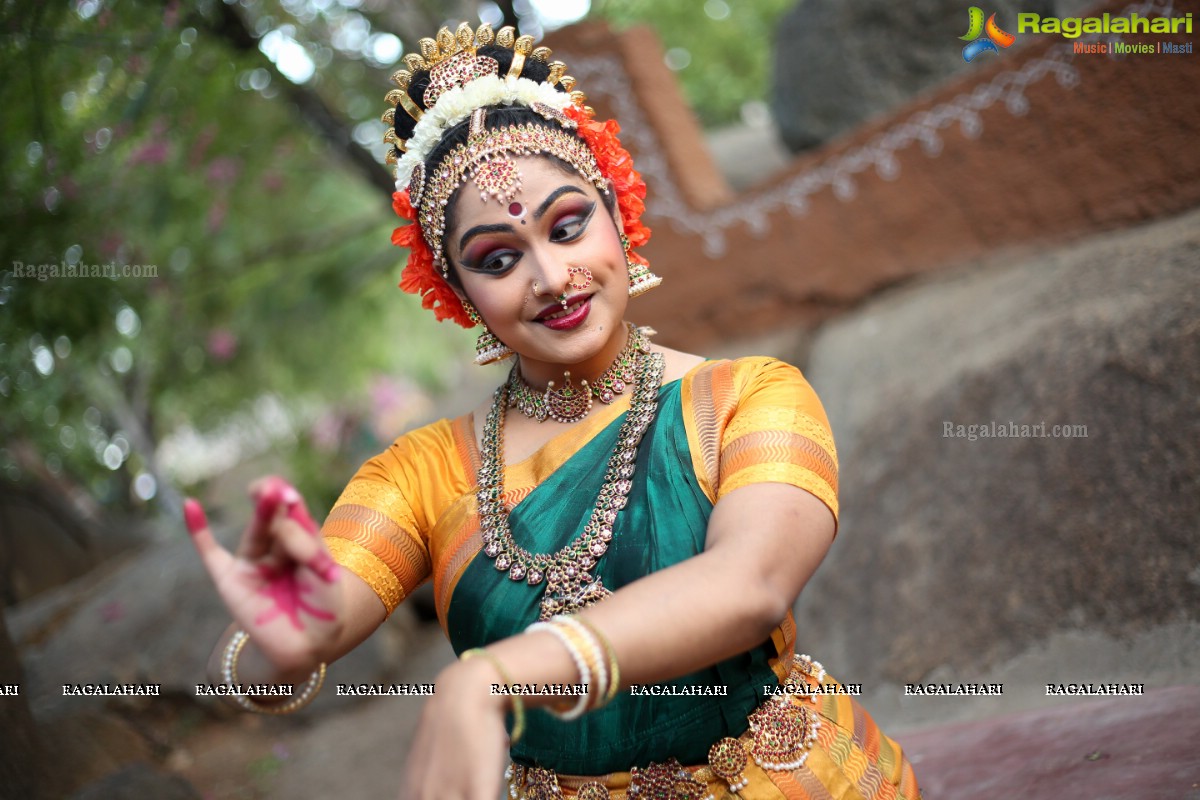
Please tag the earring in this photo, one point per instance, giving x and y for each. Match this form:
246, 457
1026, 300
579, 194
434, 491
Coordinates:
488, 349
641, 279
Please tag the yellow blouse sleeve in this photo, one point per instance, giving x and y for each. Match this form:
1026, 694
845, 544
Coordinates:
757, 420
377, 528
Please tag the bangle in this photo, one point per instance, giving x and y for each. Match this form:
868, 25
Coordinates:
603, 687
229, 675
585, 674
518, 706
614, 669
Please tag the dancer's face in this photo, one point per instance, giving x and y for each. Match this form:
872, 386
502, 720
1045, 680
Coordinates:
517, 258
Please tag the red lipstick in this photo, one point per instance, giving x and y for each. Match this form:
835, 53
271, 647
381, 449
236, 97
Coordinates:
568, 321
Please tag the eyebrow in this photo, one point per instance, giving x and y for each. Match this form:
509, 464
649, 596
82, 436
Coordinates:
557, 193
502, 227
478, 230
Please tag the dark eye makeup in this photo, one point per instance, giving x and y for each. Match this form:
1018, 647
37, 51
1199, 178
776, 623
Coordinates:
490, 259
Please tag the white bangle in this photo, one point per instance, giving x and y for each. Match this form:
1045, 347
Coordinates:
230, 677
598, 651
585, 675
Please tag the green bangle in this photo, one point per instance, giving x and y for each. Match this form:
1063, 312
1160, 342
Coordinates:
518, 706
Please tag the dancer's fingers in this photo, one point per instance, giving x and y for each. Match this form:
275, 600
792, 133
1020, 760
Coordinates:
299, 513
267, 494
215, 557
302, 547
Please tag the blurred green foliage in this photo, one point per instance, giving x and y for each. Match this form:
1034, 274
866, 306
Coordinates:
135, 135
161, 136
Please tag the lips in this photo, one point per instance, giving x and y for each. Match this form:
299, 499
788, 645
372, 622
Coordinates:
555, 318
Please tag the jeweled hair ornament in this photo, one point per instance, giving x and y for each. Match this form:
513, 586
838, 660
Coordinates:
465, 82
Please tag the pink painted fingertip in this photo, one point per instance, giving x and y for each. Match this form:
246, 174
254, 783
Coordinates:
193, 516
268, 503
299, 514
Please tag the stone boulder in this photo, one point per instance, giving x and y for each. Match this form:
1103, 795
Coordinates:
958, 552
139, 781
838, 63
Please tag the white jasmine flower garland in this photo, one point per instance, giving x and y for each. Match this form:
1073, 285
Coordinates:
457, 104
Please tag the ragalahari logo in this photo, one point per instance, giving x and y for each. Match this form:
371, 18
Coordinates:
983, 36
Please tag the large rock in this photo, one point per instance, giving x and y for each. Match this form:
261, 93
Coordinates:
838, 63
954, 555
139, 781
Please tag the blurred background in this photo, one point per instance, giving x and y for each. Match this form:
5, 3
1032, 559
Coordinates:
932, 241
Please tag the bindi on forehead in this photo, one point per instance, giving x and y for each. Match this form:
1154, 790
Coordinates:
516, 210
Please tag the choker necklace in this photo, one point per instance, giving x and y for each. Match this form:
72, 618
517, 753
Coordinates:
570, 404
569, 583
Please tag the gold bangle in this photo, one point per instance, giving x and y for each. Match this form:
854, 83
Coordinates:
614, 669
233, 651
517, 704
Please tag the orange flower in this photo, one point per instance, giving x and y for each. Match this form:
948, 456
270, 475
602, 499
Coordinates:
420, 277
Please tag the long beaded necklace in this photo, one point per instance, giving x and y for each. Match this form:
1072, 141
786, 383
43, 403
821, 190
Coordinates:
569, 583
569, 404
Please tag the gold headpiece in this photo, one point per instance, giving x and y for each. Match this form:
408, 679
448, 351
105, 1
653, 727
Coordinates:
452, 62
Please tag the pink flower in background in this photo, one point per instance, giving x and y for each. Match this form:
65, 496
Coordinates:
201, 144
110, 244
216, 216
154, 152
272, 182
222, 344
328, 431
68, 187
223, 169
171, 14
395, 405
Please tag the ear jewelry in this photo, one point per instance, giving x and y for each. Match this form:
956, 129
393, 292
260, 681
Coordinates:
488, 349
641, 279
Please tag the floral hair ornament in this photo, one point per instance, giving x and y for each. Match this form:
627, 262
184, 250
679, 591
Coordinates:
465, 84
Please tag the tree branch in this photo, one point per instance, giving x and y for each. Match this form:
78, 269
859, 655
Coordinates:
230, 26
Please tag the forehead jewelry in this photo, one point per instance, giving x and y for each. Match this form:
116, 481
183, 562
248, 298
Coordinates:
499, 177
487, 159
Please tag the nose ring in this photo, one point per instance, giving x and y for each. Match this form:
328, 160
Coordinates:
585, 275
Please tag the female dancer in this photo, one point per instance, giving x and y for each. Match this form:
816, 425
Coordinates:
616, 537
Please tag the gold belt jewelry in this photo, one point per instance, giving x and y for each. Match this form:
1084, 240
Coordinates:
779, 737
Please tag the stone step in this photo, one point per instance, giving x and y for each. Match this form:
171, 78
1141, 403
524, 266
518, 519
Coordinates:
1127, 748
